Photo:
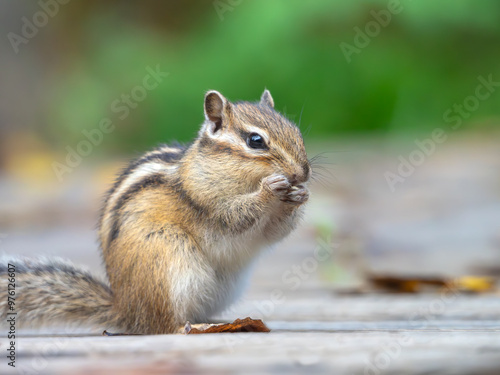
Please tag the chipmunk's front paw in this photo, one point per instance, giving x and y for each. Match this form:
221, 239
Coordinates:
296, 195
277, 185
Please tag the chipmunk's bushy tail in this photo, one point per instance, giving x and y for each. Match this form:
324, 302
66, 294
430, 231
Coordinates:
53, 291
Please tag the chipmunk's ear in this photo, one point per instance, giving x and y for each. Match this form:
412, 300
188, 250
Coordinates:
267, 99
216, 110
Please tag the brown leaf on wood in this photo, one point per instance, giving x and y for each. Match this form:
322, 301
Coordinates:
239, 325
416, 284
399, 284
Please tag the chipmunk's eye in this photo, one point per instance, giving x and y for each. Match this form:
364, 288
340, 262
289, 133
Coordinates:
256, 141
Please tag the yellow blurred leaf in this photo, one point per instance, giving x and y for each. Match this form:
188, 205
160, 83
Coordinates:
475, 284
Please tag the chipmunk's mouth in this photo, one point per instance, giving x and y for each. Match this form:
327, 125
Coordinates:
298, 180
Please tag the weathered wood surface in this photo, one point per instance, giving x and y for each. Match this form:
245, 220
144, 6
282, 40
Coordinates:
441, 221
334, 335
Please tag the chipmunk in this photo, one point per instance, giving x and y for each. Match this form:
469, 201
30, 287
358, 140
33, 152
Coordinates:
180, 226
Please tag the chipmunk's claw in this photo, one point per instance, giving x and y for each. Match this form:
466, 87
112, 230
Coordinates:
296, 195
277, 184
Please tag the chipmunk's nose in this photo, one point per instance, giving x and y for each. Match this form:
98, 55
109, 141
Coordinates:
301, 175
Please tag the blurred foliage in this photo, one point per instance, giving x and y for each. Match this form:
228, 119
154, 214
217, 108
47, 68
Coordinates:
426, 59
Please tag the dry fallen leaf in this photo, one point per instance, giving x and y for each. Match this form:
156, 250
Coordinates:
404, 284
239, 325
475, 284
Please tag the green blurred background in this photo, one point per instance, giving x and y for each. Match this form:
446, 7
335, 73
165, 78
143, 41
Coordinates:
65, 78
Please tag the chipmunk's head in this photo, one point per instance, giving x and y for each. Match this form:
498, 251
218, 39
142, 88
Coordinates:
252, 141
